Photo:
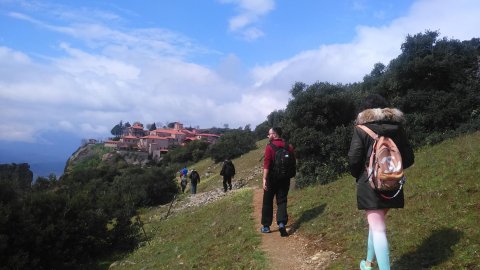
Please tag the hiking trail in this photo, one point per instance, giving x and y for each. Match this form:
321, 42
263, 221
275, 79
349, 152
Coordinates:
293, 252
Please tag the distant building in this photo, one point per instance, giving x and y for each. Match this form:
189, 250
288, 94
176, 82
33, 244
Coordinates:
110, 144
157, 142
211, 138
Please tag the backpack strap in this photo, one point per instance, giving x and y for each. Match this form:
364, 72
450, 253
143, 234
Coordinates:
369, 131
370, 168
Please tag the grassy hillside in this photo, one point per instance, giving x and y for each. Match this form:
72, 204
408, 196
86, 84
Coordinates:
216, 236
248, 169
438, 229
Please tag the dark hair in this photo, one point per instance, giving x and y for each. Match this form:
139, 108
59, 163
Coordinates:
374, 101
278, 130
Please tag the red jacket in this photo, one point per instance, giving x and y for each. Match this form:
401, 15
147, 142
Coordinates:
270, 153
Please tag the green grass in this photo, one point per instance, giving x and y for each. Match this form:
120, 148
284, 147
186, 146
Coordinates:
437, 229
219, 235
246, 166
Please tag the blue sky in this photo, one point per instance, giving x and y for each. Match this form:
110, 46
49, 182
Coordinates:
76, 68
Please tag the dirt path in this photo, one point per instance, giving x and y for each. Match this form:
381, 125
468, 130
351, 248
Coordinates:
291, 252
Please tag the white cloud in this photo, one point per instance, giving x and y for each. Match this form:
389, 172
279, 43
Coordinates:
143, 75
250, 11
349, 62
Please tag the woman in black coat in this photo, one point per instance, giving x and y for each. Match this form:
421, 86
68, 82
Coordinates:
382, 120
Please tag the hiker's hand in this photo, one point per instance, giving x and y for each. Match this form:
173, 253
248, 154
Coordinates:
265, 184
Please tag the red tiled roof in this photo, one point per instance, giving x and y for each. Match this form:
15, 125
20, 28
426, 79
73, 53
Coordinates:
170, 131
155, 137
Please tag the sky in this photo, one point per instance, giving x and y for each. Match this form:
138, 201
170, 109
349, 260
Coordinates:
71, 70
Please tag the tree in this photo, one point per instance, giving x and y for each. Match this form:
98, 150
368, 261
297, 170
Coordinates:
117, 130
152, 127
317, 122
232, 144
297, 88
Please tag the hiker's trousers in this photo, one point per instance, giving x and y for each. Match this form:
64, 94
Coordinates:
227, 183
280, 192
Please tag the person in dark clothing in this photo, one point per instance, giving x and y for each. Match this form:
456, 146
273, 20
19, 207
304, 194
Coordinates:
228, 172
277, 188
194, 180
183, 178
385, 121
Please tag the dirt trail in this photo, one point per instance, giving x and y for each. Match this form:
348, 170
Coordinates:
291, 252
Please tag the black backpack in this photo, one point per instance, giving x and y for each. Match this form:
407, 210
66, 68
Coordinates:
283, 166
229, 169
195, 176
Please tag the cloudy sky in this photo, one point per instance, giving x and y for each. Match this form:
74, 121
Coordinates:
79, 67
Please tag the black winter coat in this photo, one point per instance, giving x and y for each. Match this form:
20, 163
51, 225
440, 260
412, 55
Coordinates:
387, 122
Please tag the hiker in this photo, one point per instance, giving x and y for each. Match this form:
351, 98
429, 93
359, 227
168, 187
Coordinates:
194, 180
183, 178
228, 171
273, 186
377, 116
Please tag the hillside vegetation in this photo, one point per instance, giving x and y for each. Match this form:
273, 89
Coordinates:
108, 203
436, 230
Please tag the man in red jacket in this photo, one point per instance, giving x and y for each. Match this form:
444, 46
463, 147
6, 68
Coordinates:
274, 187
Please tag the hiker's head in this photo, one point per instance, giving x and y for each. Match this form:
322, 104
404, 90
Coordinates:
374, 101
274, 133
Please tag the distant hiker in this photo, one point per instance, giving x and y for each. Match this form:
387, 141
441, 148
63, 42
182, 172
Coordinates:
194, 180
183, 178
384, 121
228, 171
276, 181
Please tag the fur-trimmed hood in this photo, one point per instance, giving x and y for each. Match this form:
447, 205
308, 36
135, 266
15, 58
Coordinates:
383, 115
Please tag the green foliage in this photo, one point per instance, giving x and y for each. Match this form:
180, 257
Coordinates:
191, 152
434, 81
152, 127
87, 214
117, 130
274, 119
261, 130
317, 122
232, 144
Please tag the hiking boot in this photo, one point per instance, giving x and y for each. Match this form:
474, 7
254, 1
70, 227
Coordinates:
363, 266
282, 230
265, 229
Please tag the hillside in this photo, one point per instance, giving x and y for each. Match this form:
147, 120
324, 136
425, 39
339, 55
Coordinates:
436, 230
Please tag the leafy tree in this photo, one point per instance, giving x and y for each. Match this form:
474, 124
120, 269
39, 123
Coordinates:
117, 130
317, 122
261, 130
192, 152
232, 144
297, 88
152, 127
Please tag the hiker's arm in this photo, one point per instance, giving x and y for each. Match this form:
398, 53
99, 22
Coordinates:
265, 175
356, 155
